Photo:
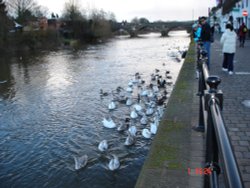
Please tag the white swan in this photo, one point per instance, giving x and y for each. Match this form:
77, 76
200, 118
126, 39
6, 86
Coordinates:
130, 83
112, 105
144, 92
129, 101
149, 111
114, 163
137, 107
146, 133
108, 123
144, 120
129, 89
80, 162
103, 145
132, 130
153, 127
133, 114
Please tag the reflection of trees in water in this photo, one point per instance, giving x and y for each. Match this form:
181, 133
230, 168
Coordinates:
6, 79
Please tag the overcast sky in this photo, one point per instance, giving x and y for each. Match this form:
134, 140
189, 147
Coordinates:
153, 10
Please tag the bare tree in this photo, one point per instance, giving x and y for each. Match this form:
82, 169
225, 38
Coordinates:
72, 11
21, 9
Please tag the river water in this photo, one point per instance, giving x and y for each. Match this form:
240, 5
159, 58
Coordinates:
51, 111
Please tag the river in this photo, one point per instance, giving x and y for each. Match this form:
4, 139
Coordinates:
51, 111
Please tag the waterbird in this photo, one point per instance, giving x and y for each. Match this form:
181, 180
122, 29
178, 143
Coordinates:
130, 140
122, 126
114, 163
149, 111
80, 162
129, 101
102, 93
111, 105
133, 114
144, 120
103, 145
132, 130
153, 127
137, 107
108, 123
146, 133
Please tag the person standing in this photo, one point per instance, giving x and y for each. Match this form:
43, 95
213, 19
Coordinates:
206, 37
242, 34
228, 41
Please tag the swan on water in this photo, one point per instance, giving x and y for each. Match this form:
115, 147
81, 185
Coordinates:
149, 111
129, 101
153, 127
112, 105
129, 89
132, 130
130, 140
108, 123
144, 120
133, 114
80, 162
103, 145
114, 163
137, 107
146, 133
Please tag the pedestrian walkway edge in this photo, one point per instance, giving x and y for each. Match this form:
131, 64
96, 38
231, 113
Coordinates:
169, 156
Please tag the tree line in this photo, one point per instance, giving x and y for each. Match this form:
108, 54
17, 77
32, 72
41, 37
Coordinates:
75, 23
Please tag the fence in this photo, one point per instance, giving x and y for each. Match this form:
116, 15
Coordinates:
219, 155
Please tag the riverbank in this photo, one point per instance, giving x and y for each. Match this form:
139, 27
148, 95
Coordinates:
176, 147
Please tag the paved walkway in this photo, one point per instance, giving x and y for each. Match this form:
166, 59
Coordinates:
236, 89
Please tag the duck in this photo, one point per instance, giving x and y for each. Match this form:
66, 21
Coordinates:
114, 163
146, 133
108, 123
102, 93
130, 140
132, 130
103, 145
111, 105
80, 162
122, 126
160, 100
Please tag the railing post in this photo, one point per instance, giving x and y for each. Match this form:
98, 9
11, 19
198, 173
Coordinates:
201, 87
212, 155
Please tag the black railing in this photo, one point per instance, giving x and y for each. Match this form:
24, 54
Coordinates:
219, 154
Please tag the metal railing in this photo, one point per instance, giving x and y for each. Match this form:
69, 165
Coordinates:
219, 154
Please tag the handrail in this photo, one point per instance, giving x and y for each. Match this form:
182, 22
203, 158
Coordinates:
211, 122
232, 175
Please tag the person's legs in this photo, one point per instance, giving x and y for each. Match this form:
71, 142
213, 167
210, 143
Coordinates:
207, 48
240, 38
230, 62
225, 64
243, 41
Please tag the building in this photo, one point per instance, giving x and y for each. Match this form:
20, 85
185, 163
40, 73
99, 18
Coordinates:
234, 11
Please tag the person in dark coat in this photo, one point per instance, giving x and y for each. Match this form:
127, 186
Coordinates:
242, 34
206, 37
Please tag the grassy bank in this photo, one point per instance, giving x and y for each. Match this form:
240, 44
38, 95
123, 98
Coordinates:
168, 158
